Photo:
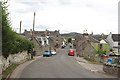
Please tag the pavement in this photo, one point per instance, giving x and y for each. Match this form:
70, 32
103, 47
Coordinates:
89, 66
17, 72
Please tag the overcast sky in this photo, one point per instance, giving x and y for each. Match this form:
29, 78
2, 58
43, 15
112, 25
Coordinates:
97, 16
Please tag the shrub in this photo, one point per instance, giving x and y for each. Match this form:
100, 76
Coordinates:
101, 52
11, 41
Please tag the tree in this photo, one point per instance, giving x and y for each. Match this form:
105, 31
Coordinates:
69, 40
11, 41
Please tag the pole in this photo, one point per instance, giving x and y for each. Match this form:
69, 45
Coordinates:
33, 23
20, 26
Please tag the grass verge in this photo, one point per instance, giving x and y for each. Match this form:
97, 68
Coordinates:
93, 61
6, 73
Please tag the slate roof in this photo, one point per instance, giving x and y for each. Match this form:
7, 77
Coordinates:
36, 32
91, 39
116, 37
78, 36
99, 37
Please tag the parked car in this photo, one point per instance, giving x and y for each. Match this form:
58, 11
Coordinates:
71, 52
53, 52
47, 53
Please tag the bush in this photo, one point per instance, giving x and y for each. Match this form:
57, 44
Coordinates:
69, 40
11, 41
101, 52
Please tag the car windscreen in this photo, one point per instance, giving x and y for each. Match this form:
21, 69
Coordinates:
46, 51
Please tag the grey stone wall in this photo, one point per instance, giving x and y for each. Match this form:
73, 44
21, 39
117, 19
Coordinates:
89, 51
111, 68
0, 66
16, 58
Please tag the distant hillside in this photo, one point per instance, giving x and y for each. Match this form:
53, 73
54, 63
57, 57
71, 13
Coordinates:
69, 35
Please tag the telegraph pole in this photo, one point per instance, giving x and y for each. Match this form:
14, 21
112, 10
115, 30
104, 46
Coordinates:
20, 26
33, 23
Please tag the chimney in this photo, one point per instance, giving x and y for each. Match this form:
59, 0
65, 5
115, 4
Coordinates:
91, 34
85, 34
25, 30
31, 32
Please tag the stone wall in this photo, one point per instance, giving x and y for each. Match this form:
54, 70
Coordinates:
0, 66
111, 68
16, 58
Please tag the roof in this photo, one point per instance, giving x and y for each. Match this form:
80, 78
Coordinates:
99, 37
42, 33
91, 39
78, 36
116, 37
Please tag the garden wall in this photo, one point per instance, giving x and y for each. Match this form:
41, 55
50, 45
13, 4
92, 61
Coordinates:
15, 58
111, 68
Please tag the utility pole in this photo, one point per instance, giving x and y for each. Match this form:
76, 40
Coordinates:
20, 26
33, 24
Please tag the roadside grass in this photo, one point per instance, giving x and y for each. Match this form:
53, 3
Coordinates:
93, 61
6, 73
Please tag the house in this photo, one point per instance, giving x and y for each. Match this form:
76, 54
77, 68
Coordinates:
42, 36
103, 44
100, 37
113, 40
43, 39
87, 46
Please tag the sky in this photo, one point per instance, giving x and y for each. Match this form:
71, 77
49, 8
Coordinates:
97, 16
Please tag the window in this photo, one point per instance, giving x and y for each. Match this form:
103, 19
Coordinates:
45, 41
100, 46
40, 41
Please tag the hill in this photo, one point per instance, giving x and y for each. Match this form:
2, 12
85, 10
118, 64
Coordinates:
69, 35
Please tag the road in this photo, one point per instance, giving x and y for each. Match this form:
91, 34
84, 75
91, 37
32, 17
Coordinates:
58, 66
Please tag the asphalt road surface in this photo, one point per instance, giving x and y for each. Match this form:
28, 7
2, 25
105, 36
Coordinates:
58, 66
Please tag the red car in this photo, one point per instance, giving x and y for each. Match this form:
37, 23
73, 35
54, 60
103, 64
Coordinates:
71, 52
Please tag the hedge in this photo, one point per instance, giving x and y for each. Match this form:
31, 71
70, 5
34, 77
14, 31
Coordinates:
12, 42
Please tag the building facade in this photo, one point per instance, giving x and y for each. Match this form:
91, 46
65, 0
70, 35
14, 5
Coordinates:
113, 40
44, 40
